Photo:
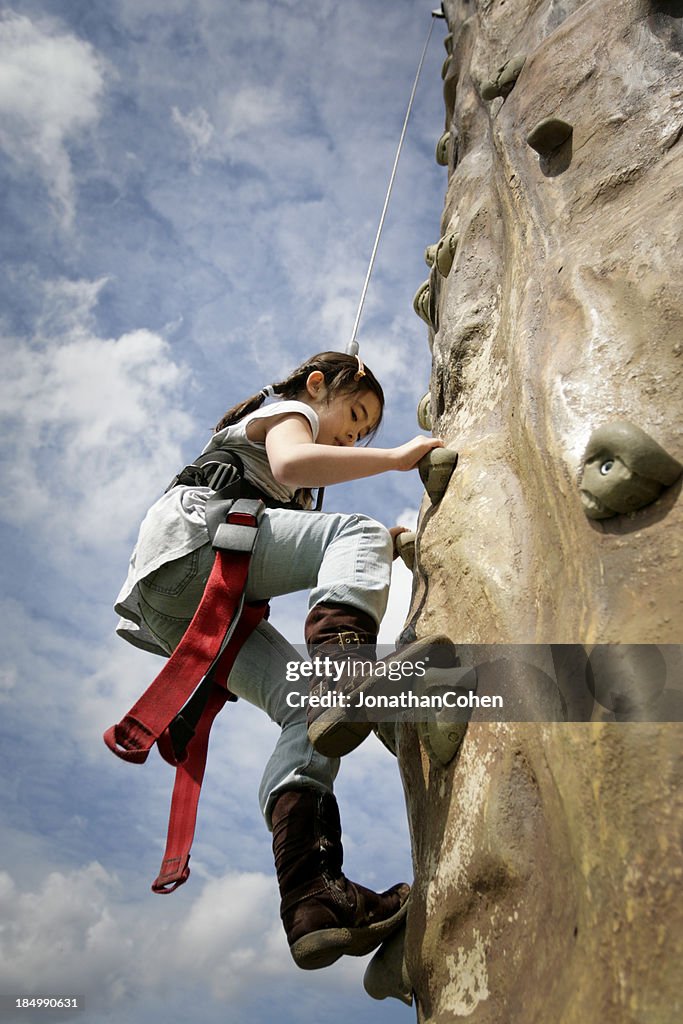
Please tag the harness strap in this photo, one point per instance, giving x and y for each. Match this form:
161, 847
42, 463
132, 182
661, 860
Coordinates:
175, 868
177, 710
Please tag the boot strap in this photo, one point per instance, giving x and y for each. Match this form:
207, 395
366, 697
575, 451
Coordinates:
323, 885
348, 638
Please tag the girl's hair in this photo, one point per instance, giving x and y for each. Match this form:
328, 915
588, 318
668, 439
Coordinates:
342, 373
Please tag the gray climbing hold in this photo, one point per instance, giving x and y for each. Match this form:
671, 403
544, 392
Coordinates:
430, 254
442, 149
448, 43
504, 80
549, 135
627, 679
442, 735
624, 469
445, 253
405, 545
424, 411
421, 302
436, 469
441, 739
386, 975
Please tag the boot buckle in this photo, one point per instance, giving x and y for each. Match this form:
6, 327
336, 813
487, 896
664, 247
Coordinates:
349, 638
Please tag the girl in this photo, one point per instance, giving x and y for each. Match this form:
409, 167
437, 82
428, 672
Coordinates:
307, 439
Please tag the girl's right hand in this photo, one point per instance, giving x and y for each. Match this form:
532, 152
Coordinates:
409, 454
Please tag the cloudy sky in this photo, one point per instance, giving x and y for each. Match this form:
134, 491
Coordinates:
191, 190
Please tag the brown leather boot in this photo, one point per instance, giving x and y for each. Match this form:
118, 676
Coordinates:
337, 729
341, 633
324, 914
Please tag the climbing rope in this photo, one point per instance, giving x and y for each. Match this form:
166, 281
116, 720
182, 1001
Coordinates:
352, 347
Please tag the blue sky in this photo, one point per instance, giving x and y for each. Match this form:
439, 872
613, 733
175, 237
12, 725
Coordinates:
190, 194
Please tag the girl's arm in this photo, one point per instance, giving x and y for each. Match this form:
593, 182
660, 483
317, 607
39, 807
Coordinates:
296, 461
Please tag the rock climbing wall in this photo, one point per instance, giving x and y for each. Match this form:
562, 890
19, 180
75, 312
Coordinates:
561, 313
548, 857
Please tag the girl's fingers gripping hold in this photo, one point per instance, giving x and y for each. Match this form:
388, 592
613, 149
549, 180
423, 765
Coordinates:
409, 454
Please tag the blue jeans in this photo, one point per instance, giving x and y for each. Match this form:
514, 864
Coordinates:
339, 558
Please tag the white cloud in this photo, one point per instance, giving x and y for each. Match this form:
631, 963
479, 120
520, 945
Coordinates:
198, 129
95, 420
50, 86
75, 934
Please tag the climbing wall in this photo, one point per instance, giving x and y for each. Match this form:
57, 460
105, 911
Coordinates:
548, 863
555, 310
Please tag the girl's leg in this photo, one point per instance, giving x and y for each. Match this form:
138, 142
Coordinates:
341, 559
169, 598
260, 677
344, 559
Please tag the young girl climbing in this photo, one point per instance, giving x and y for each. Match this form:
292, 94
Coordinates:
306, 439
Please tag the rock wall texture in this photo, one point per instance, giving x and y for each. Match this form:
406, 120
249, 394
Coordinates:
562, 312
548, 858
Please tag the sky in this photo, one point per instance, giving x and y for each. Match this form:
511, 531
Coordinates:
190, 193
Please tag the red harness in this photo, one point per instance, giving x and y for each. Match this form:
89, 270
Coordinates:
178, 708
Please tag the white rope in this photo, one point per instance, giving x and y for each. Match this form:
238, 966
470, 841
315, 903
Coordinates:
352, 347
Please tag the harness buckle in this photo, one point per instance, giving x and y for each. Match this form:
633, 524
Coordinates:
239, 531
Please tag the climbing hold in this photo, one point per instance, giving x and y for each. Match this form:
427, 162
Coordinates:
387, 975
442, 735
549, 135
430, 254
405, 545
448, 43
624, 469
442, 149
446, 65
441, 739
436, 469
503, 82
445, 253
424, 411
627, 679
421, 302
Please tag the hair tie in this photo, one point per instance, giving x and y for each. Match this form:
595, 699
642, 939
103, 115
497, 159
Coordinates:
268, 392
360, 372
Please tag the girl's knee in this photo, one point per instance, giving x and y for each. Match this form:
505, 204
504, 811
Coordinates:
372, 530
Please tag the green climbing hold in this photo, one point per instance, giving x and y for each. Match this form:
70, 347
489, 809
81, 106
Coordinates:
549, 135
436, 469
445, 253
624, 469
442, 149
405, 545
424, 411
421, 302
387, 975
430, 254
504, 80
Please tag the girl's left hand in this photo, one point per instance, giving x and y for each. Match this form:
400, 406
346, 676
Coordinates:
395, 531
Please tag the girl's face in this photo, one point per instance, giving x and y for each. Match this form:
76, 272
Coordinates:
345, 418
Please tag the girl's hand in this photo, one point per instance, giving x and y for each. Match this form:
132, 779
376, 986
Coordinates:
408, 455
